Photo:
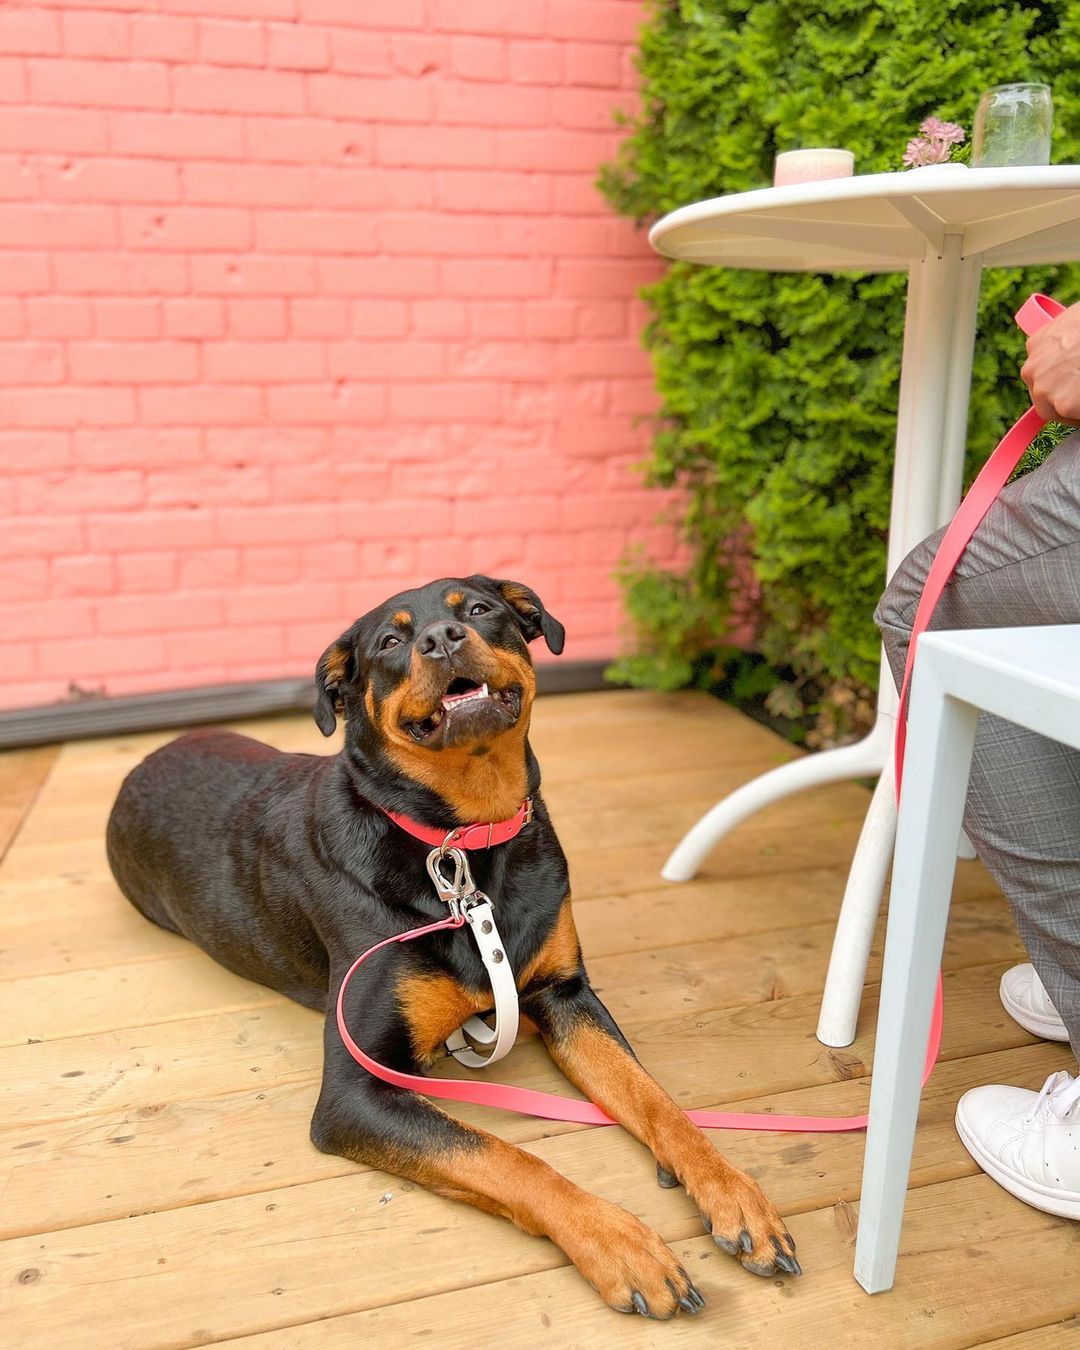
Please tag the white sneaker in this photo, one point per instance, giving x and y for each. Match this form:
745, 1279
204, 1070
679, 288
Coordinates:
1026, 1001
1029, 1142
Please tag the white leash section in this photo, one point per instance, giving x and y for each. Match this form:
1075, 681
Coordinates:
474, 907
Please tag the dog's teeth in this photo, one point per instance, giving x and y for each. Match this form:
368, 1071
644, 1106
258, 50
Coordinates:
483, 691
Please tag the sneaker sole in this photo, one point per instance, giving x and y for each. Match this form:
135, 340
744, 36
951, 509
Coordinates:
1048, 1028
1048, 1201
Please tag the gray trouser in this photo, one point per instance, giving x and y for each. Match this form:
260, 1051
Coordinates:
1021, 568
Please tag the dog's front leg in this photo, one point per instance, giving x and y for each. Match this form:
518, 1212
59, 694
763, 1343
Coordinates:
592, 1052
368, 1121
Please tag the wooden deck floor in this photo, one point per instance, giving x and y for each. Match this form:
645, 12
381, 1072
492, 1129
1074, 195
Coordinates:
158, 1184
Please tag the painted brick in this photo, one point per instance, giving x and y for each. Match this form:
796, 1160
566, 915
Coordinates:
201, 405
280, 140
245, 184
29, 32
536, 62
225, 275
77, 658
139, 572
120, 273
59, 130
326, 404
263, 362
126, 317
31, 363
319, 318
111, 180
352, 97
298, 47
22, 579
135, 447
86, 574
47, 226
96, 84
314, 232
152, 613
174, 135
177, 228
12, 318
163, 36
209, 89
134, 362
88, 34
149, 530
264, 317
34, 451
188, 317
231, 42
479, 58
208, 568
66, 406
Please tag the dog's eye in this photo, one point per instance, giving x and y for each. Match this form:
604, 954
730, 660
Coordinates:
390, 640
478, 608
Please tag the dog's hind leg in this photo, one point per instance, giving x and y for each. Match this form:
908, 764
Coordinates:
369, 1121
593, 1053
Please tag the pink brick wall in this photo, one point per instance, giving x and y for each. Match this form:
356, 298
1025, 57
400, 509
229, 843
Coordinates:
301, 302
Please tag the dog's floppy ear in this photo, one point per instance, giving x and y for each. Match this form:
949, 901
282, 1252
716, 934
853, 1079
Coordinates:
330, 674
533, 619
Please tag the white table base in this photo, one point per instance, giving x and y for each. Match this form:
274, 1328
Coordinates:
939, 338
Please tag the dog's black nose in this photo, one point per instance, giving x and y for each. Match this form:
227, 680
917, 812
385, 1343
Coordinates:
440, 641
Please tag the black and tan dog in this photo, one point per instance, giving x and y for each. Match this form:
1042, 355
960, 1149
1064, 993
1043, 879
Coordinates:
284, 868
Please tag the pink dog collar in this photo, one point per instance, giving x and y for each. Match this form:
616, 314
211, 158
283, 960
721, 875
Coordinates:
483, 834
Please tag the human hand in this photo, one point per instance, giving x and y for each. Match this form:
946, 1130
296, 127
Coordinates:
1052, 369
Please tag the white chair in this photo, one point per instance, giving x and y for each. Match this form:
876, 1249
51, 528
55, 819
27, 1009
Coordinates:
1030, 676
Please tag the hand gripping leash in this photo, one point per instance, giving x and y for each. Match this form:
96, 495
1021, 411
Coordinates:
469, 906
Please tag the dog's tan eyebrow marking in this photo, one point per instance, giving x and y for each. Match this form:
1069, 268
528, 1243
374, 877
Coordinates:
402, 618
455, 598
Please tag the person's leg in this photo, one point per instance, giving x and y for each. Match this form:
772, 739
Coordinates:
1022, 567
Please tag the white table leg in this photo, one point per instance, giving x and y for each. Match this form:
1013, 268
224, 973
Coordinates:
941, 737
932, 413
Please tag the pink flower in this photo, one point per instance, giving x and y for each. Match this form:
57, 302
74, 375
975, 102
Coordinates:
913, 155
948, 132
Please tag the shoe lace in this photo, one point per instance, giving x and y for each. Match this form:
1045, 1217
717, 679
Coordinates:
1060, 1094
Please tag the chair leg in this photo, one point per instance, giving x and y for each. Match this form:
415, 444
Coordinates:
941, 737
839, 1016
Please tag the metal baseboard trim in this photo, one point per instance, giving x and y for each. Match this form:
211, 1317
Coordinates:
217, 703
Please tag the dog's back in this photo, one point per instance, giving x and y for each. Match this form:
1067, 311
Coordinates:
187, 841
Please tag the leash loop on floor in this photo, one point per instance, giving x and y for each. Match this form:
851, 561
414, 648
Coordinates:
1037, 311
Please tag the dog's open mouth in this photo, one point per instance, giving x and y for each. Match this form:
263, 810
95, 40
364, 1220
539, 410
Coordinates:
470, 707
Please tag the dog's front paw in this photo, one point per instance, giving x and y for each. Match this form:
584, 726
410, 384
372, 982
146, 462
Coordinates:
629, 1265
742, 1220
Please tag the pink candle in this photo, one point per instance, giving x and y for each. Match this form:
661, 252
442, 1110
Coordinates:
808, 166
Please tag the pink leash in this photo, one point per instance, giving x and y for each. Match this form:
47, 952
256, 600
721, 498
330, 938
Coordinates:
1036, 311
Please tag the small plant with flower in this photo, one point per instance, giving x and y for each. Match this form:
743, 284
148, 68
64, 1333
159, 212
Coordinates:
935, 143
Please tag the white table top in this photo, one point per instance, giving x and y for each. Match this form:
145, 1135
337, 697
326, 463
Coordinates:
885, 221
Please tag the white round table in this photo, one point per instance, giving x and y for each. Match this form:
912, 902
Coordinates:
942, 224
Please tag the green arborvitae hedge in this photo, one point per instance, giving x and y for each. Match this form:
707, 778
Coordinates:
779, 390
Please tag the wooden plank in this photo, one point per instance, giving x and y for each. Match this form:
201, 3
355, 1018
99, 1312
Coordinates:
252, 1263
1010, 1248
22, 774
95, 1168
735, 1053
53, 924
696, 976
1059, 1335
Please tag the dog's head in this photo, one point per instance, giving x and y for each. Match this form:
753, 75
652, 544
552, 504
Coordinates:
442, 668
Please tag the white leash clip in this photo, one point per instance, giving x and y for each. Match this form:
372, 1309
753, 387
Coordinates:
458, 890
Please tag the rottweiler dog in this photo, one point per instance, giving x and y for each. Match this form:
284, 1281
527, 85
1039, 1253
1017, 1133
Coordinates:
284, 867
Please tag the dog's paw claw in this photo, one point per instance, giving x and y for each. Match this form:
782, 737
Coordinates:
665, 1178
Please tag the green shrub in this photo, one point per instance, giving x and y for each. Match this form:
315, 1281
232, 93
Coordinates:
779, 390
